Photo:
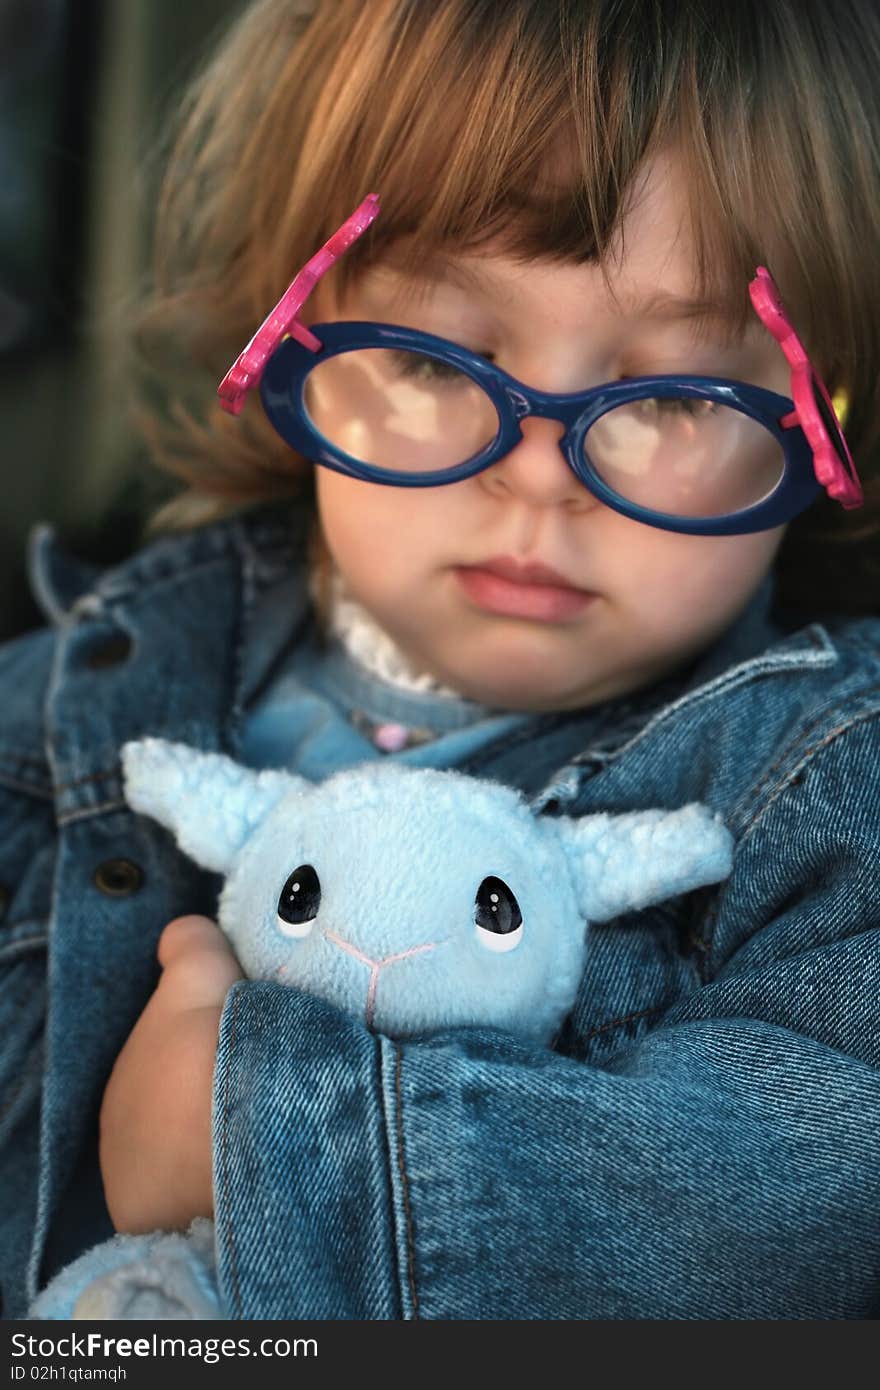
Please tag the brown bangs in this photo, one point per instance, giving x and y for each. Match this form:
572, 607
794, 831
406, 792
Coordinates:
524, 125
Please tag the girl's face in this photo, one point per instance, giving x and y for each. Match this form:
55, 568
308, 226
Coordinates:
649, 599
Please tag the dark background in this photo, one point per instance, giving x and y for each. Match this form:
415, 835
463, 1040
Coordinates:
85, 86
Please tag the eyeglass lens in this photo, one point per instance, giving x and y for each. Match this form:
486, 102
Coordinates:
685, 456
399, 410
409, 412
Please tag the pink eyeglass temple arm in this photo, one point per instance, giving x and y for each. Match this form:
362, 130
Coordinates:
839, 483
246, 370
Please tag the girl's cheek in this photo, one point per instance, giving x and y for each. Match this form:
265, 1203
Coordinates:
366, 526
693, 581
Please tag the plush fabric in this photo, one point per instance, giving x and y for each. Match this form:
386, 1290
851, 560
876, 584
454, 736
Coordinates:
153, 1277
414, 899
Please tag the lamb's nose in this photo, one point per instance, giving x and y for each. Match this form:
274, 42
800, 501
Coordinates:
382, 961
376, 965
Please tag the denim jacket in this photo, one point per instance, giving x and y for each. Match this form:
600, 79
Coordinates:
702, 1141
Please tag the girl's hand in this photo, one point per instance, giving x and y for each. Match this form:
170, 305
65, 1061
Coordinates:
155, 1142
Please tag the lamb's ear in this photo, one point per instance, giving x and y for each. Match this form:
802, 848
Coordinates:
624, 862
210, 803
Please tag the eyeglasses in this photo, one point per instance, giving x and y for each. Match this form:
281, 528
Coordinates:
693, 454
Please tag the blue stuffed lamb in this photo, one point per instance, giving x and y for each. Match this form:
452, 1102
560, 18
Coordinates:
412, 898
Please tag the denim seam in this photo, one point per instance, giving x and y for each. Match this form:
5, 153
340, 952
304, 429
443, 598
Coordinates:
389, 1134
799, 953
140, 568
224, 1164
26, 788
115, 599
232, 544
404, 1181
248, 589
100, 810
705, 941
23, 1079
754, 670
619, 1022
83, 781
30, 923
21, 946
206, 546
820, 718
41, 536
794, 778
824, 655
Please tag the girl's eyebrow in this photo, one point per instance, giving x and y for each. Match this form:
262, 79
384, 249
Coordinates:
662, 304
707, 316
635, 302
437, 268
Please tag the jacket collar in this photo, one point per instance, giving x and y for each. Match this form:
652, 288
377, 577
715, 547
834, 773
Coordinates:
266, 546
266, 541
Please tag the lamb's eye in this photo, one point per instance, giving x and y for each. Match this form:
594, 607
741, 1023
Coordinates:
299, 902
497, 917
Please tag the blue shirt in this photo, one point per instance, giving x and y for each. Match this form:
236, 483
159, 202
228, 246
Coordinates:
315, 715
701, 1141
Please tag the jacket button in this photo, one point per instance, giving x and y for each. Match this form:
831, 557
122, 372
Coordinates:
111, 652
5, 900
118, 878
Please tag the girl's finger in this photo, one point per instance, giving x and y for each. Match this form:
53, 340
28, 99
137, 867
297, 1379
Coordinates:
197, 961
190, 933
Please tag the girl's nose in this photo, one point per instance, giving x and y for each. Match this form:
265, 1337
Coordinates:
536, 470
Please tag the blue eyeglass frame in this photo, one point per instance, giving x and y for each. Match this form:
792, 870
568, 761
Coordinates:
283, 385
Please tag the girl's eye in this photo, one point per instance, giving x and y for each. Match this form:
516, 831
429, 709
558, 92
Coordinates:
299, 902
497, 917
416, 366
691, 406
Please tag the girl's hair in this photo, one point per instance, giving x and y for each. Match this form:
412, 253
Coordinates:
524, 123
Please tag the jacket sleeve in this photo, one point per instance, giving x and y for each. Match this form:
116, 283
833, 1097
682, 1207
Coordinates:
725, 1164
27, 862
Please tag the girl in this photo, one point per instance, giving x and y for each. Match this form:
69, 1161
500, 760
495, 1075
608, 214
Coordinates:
639, 597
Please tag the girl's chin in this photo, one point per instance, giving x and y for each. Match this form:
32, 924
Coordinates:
505, 663
523, 684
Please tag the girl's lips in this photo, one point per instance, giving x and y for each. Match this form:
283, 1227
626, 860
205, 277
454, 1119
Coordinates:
543, 602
